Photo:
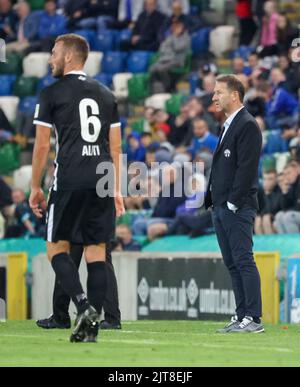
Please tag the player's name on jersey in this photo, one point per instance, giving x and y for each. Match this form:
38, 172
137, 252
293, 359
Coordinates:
91, 150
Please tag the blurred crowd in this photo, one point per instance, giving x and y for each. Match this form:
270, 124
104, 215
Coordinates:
266, 63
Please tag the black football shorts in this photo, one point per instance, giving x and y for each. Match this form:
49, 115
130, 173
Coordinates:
82, 212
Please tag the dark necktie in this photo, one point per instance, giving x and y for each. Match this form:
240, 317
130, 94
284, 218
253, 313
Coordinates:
221, 135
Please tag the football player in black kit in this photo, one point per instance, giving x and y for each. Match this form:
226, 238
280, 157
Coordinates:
85, 119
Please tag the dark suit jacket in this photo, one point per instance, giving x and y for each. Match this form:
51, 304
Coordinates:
234, 174
148, 27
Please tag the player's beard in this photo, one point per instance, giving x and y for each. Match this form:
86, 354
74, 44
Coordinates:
58, 70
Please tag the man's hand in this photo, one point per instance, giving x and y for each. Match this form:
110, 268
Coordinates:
37, 202
119, 204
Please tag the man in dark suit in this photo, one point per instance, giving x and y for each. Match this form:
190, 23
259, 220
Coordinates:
232, 194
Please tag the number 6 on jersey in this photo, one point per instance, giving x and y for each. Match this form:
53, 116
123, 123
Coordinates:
85, 120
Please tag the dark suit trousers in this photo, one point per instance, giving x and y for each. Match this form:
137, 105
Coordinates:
61, 300
234, 232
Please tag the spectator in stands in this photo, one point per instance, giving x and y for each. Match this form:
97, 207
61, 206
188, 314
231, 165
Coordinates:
270, 204
253, 62
51, 25
181, 126
281, 107
147, 199
286, 33
6, 202
288, 220
27, 225
268, 42
146, 139
8, 21
134, 149
146, 32
257, 7
129, 10
239, 67
207, 92
93, 13
172, 54
202, 139
166, 6
73, 10
188, 215
123, 232
163, 124
256, 103
167, 203
26, 28
196, 109
177, 14
278, 79
291, 71
247, 24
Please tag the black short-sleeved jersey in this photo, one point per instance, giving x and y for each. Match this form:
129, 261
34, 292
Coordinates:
81, 111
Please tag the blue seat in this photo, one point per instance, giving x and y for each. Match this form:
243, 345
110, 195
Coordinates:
104, 41
138, 61
27, 104
242, 52
275, 143
105, 79
6, 84
44, 82
200, 41
194, 82
114, 62
122, 36
89, 35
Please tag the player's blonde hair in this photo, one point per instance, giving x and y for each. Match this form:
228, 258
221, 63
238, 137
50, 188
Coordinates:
76, 43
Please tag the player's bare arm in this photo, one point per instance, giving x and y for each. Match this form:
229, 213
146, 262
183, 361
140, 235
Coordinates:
37, 199
115, 141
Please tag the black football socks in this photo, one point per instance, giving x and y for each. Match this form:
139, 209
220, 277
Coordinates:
68, 276
96, 284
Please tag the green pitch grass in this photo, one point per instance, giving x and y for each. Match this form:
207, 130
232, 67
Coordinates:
150, 343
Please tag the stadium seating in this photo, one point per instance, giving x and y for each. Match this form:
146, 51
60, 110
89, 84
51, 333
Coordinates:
105, 79
10, 107
36, 64
89, 35
242, 52
36, 4
93, 63
194, 82
173, 104
138, 88
221, 40
275, 143
25, 86
158, 101
138, 61
22, 178
44, 82
13, 64
104, 41
9, 158
114, 62
122, 36
200, 41
281, 159
27, 105
120, 83
6, 82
